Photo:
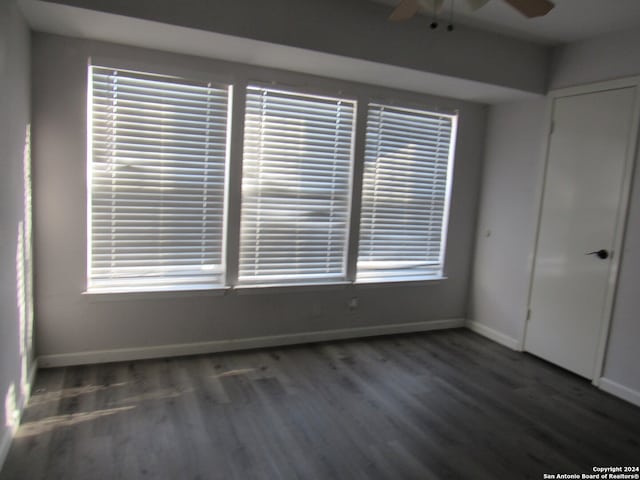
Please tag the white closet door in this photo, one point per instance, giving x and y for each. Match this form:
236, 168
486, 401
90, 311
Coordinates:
582, 198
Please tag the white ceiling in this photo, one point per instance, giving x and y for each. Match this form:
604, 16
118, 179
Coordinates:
569, 21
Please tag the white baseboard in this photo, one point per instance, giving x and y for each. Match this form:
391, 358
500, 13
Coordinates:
127, 354
32, 378
615, 388
494, 335
6, 438
5, 444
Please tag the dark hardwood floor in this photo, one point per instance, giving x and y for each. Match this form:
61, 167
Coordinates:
438, 405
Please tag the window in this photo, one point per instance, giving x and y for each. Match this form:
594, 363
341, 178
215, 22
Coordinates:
296, 185
157, 162
159, 149
408, 157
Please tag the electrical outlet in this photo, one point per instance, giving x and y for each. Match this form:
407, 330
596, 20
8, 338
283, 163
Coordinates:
353, 303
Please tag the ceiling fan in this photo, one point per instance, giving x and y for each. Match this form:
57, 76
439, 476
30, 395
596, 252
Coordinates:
408, 8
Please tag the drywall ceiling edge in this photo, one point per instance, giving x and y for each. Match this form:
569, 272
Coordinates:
89, 24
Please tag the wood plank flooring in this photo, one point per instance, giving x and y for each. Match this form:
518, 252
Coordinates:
437, 405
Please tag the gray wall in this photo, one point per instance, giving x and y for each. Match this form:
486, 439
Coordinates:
601, 58
70, 322
356, 29
622, 364
15, 250
507, 217
506, 198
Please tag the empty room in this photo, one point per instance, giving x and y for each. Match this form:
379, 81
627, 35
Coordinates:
319, 239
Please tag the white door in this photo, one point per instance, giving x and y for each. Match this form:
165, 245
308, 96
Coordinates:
581, 201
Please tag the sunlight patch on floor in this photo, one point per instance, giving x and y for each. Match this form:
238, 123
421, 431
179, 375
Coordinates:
29, 429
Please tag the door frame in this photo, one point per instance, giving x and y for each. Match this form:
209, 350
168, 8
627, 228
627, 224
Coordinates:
623, 206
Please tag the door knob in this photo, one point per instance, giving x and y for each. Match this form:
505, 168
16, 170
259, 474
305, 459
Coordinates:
600, 254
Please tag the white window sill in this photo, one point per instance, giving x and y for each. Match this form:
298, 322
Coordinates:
257, 289
399, 281
311, 287
295, 287
122, 295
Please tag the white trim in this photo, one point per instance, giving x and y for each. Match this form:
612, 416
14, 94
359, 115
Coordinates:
160, 351
595, 87
494, 335
271, 288
540, 188
620, 391
5, 445
7, 438
105, 296
32, 377
619, 234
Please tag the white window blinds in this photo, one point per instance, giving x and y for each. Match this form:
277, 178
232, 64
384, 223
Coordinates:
408, 155
158, 150
295, 187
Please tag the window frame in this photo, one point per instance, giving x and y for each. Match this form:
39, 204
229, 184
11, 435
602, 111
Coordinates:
177, 74
238, 78
420, 110
311, 93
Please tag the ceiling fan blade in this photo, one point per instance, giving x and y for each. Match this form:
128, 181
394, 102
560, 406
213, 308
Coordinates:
431, 6
476, 4
404, 11
532, 8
